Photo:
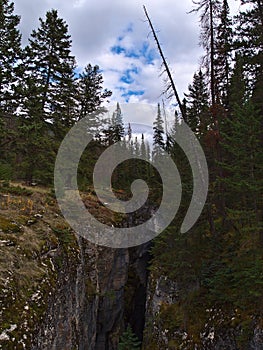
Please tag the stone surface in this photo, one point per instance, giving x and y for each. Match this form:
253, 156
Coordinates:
215, 335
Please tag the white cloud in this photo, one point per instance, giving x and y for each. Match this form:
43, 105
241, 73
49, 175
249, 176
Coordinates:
97, 26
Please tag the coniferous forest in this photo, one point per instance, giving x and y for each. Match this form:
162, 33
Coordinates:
218, 264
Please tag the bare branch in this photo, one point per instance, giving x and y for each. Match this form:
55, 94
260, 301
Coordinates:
166, 67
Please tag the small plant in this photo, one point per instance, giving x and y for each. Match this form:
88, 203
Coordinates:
64, 235
129, 340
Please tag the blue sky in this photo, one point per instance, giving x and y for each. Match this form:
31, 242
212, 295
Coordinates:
114, 35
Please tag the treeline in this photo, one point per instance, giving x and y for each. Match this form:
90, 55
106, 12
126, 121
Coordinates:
42, 96
218, 265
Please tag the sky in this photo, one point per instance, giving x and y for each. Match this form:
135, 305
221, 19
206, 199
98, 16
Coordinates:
114, 35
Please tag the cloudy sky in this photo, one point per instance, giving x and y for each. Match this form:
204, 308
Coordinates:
114, 35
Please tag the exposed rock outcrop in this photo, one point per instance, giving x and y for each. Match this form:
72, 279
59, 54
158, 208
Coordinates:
87, 308
167, 329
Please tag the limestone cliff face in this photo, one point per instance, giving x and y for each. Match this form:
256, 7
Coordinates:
58, 291
70, 317
86, 310
167, 329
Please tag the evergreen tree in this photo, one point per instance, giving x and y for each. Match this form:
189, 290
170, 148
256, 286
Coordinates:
197, 105
10, 54
128, 340
250, 44
91, 95
223, 54
143, 147
158, 131
36, 152
158, 149
244, 161
49, 80
49, 93
250, 32
242, 136
129, 132
117, 124
238, 85
10, 57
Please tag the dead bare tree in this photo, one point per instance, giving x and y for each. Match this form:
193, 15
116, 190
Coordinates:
171, 84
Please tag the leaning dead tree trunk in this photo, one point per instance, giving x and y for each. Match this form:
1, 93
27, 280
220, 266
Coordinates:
166, 67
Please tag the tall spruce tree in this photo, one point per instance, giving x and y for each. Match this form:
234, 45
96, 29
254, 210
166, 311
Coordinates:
243, 165
197, 105
10, 57
250, 31
158, 131
49, 79
143, 147
91, 95
49, 92
117, 125
238, 93
242, 145
90, 90
129, 132
10, 54
250, 44
223, 54
114, 129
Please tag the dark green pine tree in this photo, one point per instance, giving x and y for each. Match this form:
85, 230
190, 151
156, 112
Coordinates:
114, 129
250, 30
49, 78
35, 145
143, 148
176, 122
10, 54
197, 105
223, 54
10, 57
158, 132
242, 144
117, 125
49, 92
243, 165
239, 85
250, 45
129, 132
90, 90
129, 341
158, 149
91, 95
250, 40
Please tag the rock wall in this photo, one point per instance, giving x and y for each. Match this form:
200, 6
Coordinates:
87, 308
166, 330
